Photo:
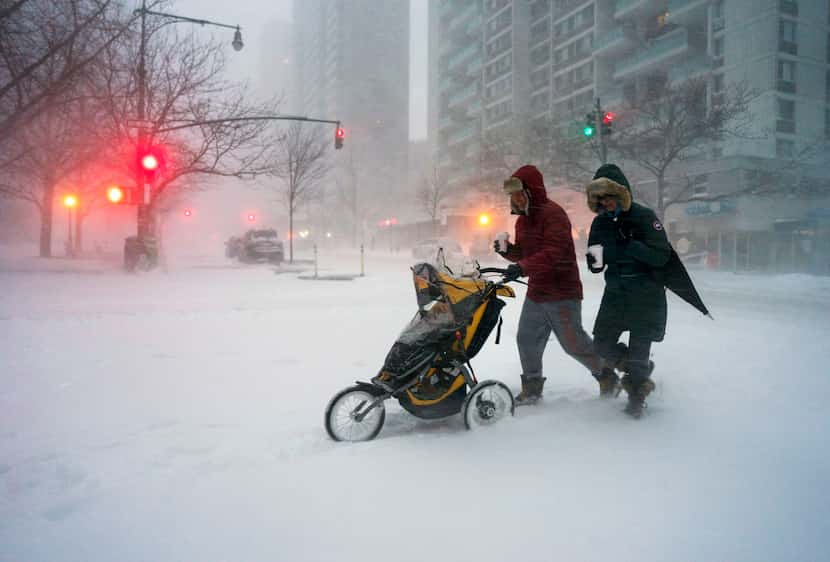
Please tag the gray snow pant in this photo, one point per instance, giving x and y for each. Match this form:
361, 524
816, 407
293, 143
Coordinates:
564, 318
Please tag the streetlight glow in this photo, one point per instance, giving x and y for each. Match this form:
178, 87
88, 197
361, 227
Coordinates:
70, 201
115, 194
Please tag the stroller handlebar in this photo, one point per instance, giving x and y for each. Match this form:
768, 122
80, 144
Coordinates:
492, 270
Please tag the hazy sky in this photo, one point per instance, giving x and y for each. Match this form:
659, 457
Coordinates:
251, 15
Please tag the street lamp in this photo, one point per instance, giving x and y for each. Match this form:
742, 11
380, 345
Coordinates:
146, 163
70, 201
237, 40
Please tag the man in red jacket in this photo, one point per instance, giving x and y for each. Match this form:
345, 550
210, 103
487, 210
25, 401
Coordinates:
544, 251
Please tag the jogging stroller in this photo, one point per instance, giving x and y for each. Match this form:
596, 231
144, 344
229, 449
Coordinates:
428, 368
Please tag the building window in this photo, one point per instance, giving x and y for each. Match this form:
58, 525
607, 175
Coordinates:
786, 76
787, 37
789, 7
700, 185
784, 148
717, 50
786, 116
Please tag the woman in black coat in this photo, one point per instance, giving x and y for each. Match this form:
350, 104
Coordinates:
634, 245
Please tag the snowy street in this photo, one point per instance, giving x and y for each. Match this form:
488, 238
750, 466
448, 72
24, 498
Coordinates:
179, 417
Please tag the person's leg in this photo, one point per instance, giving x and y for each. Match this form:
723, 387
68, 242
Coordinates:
531, 339
566, 319
636, 382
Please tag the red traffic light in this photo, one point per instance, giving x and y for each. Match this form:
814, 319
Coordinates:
115, 194
340, 134
188, 212
608, 118
251, 217
149, 162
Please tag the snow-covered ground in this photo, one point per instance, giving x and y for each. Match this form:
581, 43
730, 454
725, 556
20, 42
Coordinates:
179, 417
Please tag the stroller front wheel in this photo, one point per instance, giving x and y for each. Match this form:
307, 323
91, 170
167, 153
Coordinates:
346, 416
487, 403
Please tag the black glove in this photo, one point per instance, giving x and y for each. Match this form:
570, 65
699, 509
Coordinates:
592, 263
496, 248
514, 271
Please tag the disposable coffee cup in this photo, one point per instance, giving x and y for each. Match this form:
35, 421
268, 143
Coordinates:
596, 251
502, 239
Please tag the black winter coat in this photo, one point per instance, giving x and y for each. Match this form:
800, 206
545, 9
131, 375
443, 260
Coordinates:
634, 244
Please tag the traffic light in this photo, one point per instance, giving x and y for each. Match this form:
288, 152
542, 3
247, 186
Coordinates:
116, 194
149, 161
251, 217
339, 136
607, 122
188, 213
590, 125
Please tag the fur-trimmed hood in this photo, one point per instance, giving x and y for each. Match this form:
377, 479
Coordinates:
604, 187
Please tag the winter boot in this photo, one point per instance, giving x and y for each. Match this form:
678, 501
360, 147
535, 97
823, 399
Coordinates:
608, 381
637, 393
531, 390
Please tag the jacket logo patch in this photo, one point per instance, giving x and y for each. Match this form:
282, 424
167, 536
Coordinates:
657, 225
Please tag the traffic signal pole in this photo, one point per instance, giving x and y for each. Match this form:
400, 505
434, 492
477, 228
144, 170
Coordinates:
141, 207
603, 149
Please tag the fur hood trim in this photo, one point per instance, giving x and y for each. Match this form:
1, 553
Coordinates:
604, 187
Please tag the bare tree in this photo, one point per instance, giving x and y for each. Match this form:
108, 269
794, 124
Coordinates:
203, 124
301, 165
45, 45
54, 147
672, 123
431, 196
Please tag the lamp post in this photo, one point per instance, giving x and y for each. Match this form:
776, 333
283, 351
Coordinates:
70, 201
144, 192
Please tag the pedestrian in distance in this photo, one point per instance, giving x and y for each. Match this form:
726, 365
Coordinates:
544, 251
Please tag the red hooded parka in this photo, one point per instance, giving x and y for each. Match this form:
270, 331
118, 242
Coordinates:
544, 246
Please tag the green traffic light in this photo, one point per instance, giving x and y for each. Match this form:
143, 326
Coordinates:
588, 131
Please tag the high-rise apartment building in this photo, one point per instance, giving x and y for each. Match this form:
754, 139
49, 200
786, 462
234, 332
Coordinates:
497, 61
351, 62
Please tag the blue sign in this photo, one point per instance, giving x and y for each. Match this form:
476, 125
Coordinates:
711, 208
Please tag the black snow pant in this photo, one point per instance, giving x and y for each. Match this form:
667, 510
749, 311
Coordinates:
634, 359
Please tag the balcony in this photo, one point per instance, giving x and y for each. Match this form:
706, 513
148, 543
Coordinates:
462, 134
460, 95
612, 99
662, 50
613, 43
568, 6
687, 11
459, 21
695, 67
461, 56
628, 8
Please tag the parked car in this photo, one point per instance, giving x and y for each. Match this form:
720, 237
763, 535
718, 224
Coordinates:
427, 250
256, 245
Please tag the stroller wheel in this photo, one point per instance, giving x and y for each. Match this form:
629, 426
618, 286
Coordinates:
346, 418
487, 403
